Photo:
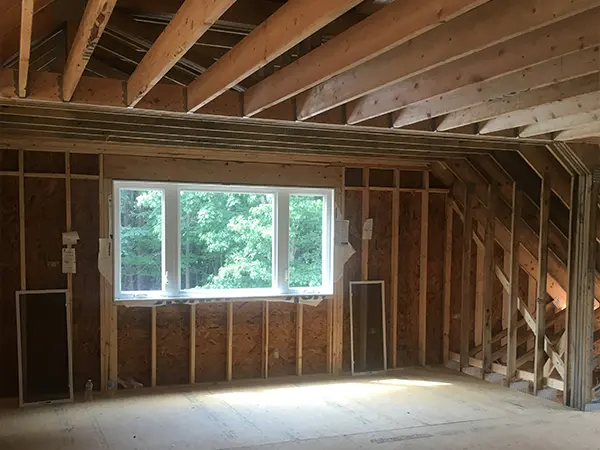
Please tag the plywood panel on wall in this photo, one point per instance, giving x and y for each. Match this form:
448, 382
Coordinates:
380, 258
211, 341
247, 339
187, 170
172, 345
456, 280
45, 221
282, 338
133, 344
408, 278
86, 284
435, 278
314, 340
9, 284
353, 213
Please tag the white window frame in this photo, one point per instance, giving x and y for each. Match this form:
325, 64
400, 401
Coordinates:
171, 243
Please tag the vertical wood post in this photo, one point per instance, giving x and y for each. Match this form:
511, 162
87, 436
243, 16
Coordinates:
423, 271
364, 275
192, 343
22, 266
229, 368
104, 322
540, 317
511, 359
447, 278
488, 277
265, 339
394, 268
465, 304
299, 336
153, 347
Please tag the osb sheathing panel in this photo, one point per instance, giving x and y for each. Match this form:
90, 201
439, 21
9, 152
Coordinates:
133, 344
84, 164
86, 289
211, 341
172, 345
45, 221
44, 162
498, 297
247, 339
282, 338
380, 258
456, 283
9, 283
435, 278
314, 340
408, 278
473, 289
352, 213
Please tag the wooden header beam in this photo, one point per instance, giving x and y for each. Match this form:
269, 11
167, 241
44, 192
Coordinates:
25, 45
292, 23
483, 27
402, 21
94, 20
191, 21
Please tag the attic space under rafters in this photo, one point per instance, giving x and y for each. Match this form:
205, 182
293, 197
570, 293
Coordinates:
445, 150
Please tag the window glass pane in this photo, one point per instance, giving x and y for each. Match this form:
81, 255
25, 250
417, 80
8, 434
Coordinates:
226, 240
141, 239
306, 241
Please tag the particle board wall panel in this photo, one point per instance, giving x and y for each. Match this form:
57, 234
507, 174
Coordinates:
380, 264
435, 278
211, 341
9, 284
247, 339
45, 221
86, 284
133, 344
456, 275
353, 213
408, 278
44, 162
314, 341
172, 345
85, 164
282, 339
9, 160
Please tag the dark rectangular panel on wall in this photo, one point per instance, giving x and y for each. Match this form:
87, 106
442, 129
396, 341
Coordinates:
44, 162
211, 341
85, 164
133, 344
435, 278
456, 283
9, 283
86, 284
172, 345
409, 253
9, 160
247, 339
282, 339
380, 256
314, 339
45, 221
353, 213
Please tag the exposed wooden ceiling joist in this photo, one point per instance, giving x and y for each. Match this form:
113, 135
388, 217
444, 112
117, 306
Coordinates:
499, 112
580, 132
402, 20
190, 22
485, 26
561, 123
295, 21
545, 74
94, 20
25, 45
471, 73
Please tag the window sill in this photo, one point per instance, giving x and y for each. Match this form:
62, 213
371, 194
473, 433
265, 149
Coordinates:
157, 300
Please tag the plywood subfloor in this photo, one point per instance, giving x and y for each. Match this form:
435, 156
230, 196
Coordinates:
413, 409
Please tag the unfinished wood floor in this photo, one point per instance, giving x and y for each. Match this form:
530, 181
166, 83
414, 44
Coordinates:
412, 409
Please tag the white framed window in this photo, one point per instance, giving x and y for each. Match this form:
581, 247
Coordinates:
181, 240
